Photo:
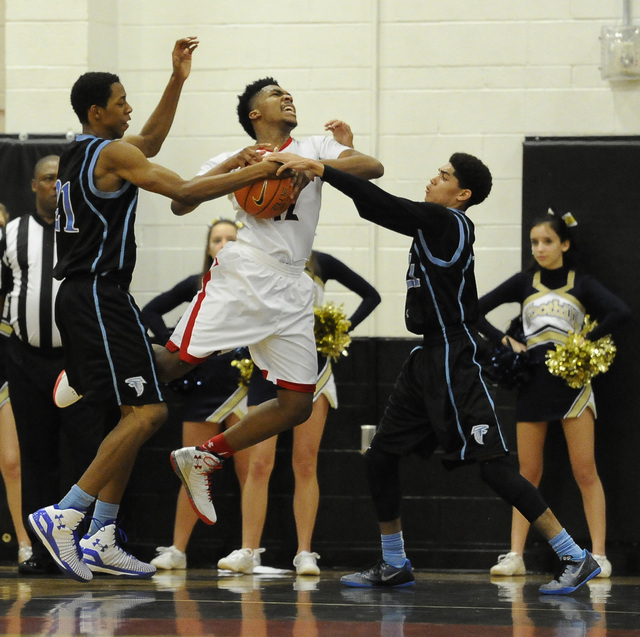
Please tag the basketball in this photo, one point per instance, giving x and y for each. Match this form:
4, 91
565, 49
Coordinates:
266, 198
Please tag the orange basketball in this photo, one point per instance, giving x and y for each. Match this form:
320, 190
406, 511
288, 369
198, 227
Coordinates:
265, 199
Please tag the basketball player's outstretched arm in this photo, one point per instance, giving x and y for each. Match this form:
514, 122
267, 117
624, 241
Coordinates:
127, 162
156, 129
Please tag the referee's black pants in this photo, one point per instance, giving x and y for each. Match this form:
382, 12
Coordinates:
56, 445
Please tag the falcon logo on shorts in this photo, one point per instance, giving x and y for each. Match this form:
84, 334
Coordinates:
478, 432
137, 383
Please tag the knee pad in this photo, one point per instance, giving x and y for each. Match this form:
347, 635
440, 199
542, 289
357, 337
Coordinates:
383, 473
507, 482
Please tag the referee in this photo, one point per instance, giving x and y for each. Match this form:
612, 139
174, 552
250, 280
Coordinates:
55, 444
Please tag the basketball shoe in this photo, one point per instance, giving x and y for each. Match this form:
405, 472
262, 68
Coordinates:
381, 574
57, 528
103, 554
63, 394
575, 573
194, 467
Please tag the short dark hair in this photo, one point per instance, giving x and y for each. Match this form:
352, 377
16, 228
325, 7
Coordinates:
245, 102
472, 174
42, 161
91, 88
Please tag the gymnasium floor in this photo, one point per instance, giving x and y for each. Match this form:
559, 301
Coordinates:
277, 603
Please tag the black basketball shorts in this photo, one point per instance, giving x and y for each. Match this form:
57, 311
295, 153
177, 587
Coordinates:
441, 400
108, 355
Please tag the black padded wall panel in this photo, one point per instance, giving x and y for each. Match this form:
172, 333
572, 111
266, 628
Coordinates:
597, 180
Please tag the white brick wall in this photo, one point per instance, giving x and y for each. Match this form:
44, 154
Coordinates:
417, 80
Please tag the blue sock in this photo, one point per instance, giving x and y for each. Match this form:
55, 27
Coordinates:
393, 549
76, 499
564, 544
103, 514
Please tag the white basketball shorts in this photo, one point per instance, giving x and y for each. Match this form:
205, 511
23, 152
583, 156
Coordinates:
250, 299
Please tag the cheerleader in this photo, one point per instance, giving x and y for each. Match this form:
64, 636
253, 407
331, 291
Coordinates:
555, 297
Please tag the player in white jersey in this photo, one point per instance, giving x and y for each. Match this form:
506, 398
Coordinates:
287, 242
255, 293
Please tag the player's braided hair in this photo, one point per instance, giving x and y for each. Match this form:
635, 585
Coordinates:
245, 101
471, 173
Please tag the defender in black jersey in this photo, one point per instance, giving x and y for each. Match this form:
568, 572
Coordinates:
440, 398
107, 353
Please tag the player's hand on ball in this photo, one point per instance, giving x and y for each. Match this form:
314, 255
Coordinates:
300, 180
252, 154
296, 163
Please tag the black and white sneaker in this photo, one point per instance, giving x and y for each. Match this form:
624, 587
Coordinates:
575, 573
381, 574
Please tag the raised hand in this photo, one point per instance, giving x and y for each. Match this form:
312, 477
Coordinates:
182, 54
341, 132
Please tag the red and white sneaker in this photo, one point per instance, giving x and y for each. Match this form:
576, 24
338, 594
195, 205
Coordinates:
194, 467
63, 394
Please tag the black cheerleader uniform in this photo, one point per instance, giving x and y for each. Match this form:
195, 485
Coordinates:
554, 302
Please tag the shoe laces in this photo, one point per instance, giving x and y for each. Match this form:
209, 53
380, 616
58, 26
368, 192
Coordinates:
304, 555
160, 550
569, 565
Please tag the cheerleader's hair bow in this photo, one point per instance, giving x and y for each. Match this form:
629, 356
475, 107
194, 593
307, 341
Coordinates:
567, 217
233, 222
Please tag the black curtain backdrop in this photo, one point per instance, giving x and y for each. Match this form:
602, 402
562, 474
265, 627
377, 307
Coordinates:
596, 179
18, 158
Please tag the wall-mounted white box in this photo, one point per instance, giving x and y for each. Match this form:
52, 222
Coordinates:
620, 53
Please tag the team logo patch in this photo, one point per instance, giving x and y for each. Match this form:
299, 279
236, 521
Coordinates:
478, 432
137, 383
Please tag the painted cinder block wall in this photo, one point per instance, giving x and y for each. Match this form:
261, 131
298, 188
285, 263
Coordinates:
417, 80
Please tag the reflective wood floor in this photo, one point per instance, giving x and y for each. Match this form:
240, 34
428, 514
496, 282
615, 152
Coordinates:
277, 603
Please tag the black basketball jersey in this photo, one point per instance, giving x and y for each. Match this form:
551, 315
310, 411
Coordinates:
441, 285
94, 229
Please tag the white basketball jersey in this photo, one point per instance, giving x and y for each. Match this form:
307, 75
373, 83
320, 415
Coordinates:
289, 237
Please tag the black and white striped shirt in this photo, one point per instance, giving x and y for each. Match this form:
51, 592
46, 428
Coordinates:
28, 255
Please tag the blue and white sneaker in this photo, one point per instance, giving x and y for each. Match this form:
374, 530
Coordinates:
575, 573
57, 529
381, 574
103, 554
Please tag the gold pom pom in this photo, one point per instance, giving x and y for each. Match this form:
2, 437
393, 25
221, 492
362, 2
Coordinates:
331, 330
579, 359
245, 365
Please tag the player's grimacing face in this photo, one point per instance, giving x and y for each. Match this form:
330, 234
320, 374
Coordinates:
444, 188
275, 104
220, 234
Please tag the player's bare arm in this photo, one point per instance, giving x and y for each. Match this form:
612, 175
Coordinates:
356, 163
246, 157
350, 161
120, 161
155, 131
301, 165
